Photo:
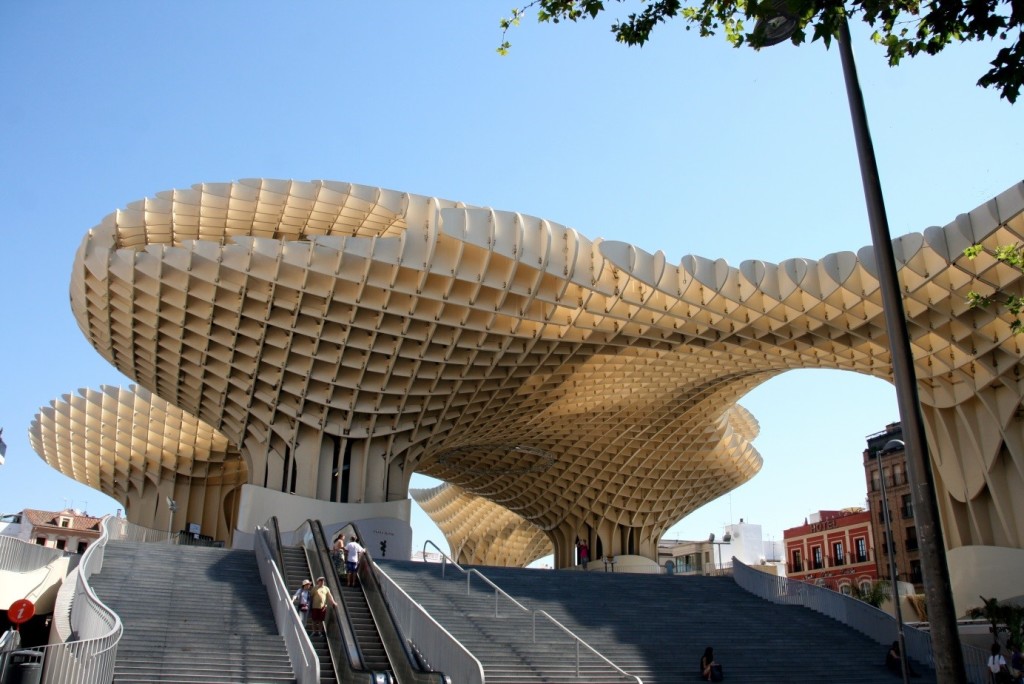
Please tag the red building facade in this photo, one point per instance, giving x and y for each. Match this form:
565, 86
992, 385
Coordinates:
836, 549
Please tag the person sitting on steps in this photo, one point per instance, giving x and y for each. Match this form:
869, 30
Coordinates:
710, 669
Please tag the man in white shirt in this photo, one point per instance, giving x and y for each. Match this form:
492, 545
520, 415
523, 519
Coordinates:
352, 553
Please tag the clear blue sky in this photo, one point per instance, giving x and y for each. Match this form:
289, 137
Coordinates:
686, 145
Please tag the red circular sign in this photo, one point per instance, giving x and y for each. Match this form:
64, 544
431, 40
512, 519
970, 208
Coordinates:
21, 611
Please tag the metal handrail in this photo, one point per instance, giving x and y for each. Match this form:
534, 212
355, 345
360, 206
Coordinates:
404, 664
339, 630
432, 641
498, 591
873, 622
289, 624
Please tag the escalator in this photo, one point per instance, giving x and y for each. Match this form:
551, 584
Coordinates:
296, 569
375, 656
363, 644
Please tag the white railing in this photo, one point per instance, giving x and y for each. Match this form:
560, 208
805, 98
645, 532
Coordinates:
500, 595
289, 625
95, 629
122, 530
18, 555
443, 652
863, 617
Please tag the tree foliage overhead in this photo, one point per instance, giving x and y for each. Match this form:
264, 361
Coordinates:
907, 28
1012, 255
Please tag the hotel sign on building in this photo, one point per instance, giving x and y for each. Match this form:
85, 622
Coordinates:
833, 549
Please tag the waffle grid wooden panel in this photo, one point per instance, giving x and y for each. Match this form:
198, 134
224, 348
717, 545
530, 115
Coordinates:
312, 321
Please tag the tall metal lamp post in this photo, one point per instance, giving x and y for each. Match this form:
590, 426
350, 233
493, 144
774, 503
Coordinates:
726, 539
890, 550
172, 506
948, 657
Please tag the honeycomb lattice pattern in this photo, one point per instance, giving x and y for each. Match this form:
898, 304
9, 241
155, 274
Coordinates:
317, 321
140, 450
480, 532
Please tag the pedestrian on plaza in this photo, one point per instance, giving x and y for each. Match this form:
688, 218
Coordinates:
997, 666
302, 600
322, 596
1016, 663
353, 551
584, 554
710, 669
895, 663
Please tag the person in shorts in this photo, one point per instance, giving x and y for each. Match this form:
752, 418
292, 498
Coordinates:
353, 551
322, 596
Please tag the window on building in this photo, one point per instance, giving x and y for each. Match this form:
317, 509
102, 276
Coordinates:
911, 538
915, 572
61, 543
82, 546
906, 507
65, 522
837, 553
865, 586
41, 541
818, 561
875, 486
898, 475
797, 565
861, 544
845, 588
885, 543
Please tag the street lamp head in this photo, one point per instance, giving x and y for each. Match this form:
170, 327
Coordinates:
711, 537
777, 26
892, 446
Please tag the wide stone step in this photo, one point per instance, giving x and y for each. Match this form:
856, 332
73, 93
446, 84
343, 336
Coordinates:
191, 614
653, 626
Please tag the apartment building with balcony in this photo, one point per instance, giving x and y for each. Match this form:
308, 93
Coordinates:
834, 549
890, 464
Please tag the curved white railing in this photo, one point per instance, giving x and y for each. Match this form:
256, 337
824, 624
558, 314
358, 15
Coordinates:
865, 618
18, 555
499, 594
94, 630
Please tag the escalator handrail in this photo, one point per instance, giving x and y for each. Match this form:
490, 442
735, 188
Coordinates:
346, 661
342, 623
274, 541
400, 654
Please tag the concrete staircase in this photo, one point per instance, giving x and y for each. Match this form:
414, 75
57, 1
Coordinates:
653, 626
296, 569
190, 614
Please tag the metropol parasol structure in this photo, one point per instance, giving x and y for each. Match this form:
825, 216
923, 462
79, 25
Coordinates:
301, 348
